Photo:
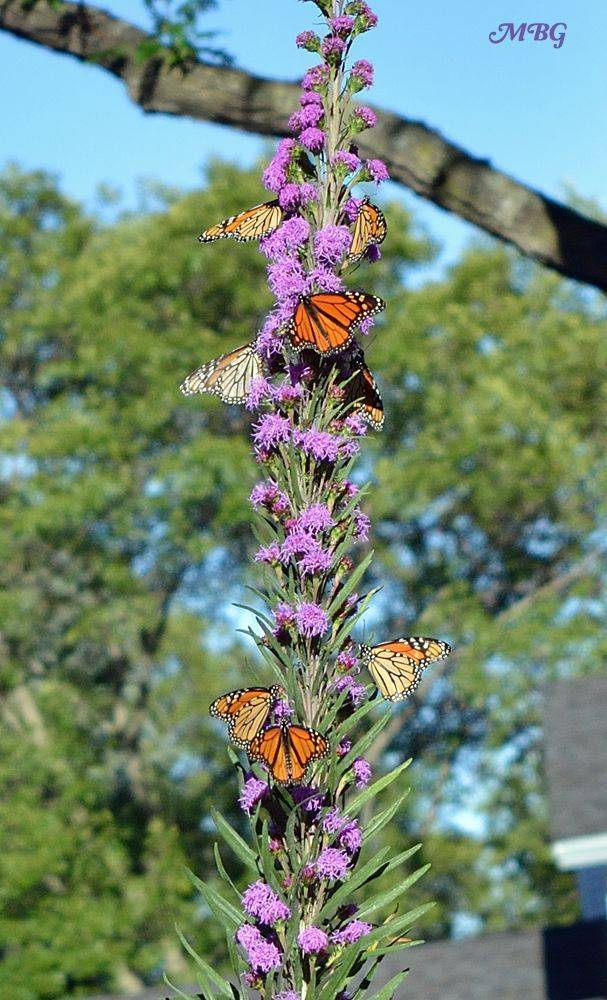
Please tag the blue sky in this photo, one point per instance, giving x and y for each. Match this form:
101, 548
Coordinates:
535, 111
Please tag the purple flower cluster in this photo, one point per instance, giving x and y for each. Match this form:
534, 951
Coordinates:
331, 244
320, 445
311, 620
349, 835
333, 864
270, 431
252, 792
350, 162
352, 932
262, 955
312, 940
362, 772
356, 692
268, 495
259, 900
361, 75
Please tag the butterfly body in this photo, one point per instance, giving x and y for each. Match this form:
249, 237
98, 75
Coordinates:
370, 229
397, 666
229, 376
246, 711
261, 220
287, 750
326, 321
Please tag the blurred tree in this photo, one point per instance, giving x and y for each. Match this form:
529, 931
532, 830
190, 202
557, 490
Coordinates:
125, 535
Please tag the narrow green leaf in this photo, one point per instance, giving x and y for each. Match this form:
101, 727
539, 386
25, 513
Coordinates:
378, 822
209, 973
358, 878
221, 867
235, 841
180, 993
345, 591
229, 916
370, 791
398, 925
390, 895
387, 992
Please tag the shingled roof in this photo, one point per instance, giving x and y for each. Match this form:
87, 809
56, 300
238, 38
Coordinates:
561, 963
575, 727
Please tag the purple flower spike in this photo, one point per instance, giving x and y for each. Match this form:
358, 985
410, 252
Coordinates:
311, 620
288, 995
275, 174
342, 24
313, 139
352, 208
351, 837
282, 710
259, 390
308, 40
262, 955
352, 932
332, 243
319, 444
365, 118
268, 553
271, 431
259, 900
317, 517
362, 772
377, 170
356, 692
312, 940
362, 72
316, 77
294, 196
332, 864
351, 162
253, 791
284, 615
333, 48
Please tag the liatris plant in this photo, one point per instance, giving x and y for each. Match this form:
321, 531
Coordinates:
302, 928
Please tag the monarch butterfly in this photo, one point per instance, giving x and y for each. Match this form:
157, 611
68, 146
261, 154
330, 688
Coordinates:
250, 225
246, 711
370, 229
287, 750
325, 321
362, 393
397, 666
228, 377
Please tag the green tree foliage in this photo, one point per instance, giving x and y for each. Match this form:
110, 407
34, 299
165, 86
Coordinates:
125, 532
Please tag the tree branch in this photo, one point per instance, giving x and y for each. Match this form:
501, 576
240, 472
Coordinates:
416, 155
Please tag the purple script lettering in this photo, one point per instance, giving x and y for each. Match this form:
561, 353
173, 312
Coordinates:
540, 34
558, 37
508, 31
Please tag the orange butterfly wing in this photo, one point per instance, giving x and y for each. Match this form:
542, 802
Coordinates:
417, 649
361, 392
287, 750
229, 376
370, 229
397, 666
250, 225
246, 711
325, 321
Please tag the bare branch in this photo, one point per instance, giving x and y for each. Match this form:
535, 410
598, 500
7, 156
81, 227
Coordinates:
416, 155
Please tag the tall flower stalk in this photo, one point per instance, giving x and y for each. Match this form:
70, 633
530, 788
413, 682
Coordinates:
302, 928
